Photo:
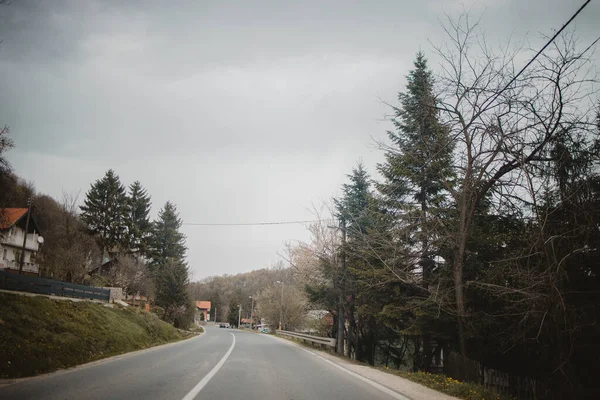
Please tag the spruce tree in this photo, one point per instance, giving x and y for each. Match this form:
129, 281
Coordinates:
419, 160
354, 209
353, 206
171, 282
166, 242
416, 169
104, 212
138, 220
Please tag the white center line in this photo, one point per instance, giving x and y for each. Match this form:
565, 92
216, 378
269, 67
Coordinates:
194, 392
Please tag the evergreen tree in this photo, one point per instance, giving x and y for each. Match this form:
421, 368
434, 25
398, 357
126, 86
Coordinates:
419, 164
104, 212
166, 243
232, 315
167, 253
354, 209
416, 170
138, 221
171, 289
421, 158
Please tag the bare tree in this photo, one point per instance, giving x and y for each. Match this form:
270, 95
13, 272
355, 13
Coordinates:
289, 303
131, 274
69, 252
6, 143
502, 125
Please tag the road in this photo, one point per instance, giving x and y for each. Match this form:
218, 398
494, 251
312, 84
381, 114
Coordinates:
220, 364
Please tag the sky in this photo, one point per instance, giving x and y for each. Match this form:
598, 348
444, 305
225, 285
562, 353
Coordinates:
237, 112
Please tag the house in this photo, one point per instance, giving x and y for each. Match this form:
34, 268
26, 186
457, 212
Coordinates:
104, 268
318, 322
247, 322
203, 310
12, 232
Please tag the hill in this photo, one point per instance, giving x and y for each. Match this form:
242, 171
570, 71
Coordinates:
225, 290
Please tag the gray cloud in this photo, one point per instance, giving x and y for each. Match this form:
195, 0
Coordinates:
236, 111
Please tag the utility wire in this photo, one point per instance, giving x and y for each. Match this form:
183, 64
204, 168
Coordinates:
257, 223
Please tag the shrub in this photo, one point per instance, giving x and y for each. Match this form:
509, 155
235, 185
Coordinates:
463, 390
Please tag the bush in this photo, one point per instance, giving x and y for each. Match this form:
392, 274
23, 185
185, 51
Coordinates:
158, 311
185, 317
445, 384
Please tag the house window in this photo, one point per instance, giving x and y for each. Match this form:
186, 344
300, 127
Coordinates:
4, 254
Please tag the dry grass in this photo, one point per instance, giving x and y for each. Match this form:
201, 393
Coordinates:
445, 384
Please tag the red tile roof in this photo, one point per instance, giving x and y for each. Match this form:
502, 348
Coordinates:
205, 305
9, 216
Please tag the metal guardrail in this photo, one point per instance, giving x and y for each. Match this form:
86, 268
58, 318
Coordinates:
33, 284
313, 339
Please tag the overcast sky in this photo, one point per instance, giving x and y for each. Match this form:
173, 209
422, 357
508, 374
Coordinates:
237, 112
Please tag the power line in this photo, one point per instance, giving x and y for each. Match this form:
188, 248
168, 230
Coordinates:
257, 223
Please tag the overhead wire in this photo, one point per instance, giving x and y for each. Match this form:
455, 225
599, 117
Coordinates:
257, 223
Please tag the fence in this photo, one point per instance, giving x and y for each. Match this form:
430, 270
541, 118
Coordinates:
465, 369
33, 284
309, 338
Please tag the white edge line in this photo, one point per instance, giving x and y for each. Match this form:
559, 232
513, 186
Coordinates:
194, 392
376, 385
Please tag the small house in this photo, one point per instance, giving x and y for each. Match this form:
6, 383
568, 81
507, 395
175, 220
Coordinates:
13, 222
202, 310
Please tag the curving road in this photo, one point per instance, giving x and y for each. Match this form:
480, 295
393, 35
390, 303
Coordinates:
220, 364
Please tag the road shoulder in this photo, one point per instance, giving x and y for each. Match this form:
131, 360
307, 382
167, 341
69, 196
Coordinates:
405, 387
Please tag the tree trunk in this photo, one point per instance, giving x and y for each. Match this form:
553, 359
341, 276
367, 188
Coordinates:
340, 329
342, 297
457, 271
466, 206
387, 354
426, 270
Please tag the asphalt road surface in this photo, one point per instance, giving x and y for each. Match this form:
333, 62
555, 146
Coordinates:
220, 364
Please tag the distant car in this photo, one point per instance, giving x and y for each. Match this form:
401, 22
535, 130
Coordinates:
265, 330
224, 325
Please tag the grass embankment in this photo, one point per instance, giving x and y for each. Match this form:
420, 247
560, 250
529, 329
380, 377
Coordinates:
39, 335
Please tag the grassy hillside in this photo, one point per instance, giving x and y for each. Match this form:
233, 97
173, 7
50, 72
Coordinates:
40, 335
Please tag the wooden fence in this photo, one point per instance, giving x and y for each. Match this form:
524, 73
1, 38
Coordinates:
33, 284
466, 369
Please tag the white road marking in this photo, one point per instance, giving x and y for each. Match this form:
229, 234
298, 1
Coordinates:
376, 385
194, 392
